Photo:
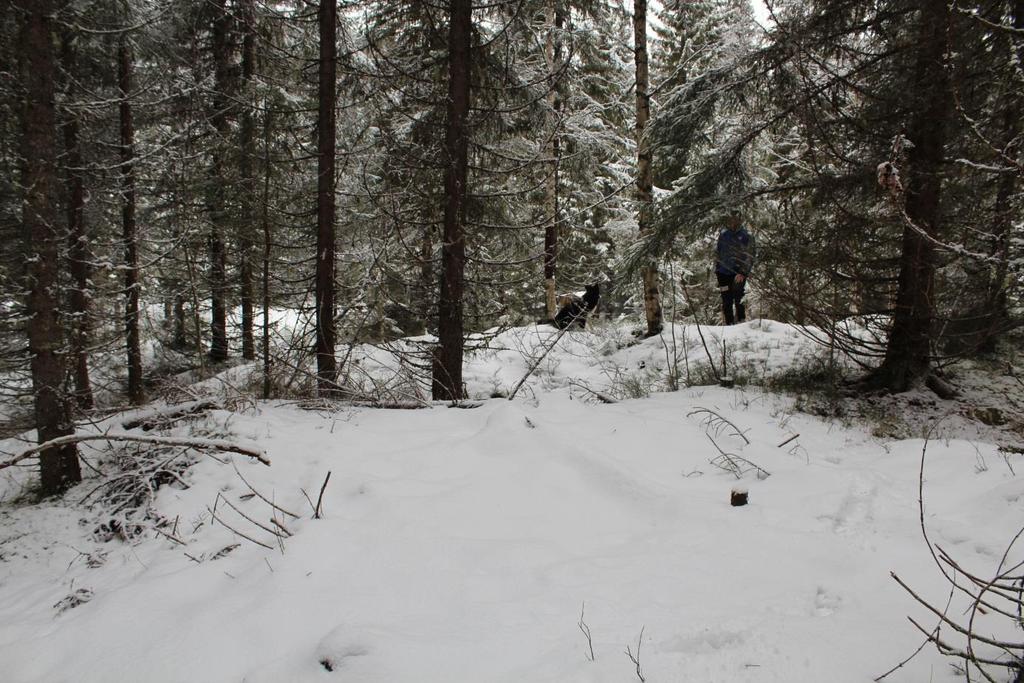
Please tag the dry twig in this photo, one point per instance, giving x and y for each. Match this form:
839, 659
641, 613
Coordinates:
636, 658
714, 422
586, 632
736, 465
320, 498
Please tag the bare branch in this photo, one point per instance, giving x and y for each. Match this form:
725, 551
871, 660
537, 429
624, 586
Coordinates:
320, 498
636, 658
198, 444
586, 632
712, 421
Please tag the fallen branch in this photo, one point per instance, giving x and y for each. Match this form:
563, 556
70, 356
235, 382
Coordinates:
714, 422
199, 444
537, 362
947, 649
248, 518
603, 398
236, 531
734, 464
280, 526
261, 496
170, 537
795, 436
161, 417
1002, 644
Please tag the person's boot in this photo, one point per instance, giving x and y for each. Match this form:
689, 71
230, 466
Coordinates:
727, 312
741, 312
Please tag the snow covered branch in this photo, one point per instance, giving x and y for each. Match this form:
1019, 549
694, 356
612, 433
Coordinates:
199, 444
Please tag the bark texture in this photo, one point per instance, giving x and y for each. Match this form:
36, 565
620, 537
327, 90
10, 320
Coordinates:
553, 54
326, 364
447, 365
908, 353
645, 174
79, 298
247, 143
59, 467
220, 118
130, 240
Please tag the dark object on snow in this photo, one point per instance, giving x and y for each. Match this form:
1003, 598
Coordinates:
79, 597
734, 258
737, 498
577, 309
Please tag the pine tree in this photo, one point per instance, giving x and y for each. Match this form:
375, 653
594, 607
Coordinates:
908, 353
79, 298
247, 177
326, 364
221, 110
59, 467
132, 284
645, 172
447, 367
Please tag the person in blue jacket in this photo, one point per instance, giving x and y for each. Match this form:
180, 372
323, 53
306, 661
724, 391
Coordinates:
735, 257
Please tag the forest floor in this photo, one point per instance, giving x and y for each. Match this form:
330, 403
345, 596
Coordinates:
558, 536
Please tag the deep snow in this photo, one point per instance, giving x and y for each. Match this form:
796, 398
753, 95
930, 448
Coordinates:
463, 544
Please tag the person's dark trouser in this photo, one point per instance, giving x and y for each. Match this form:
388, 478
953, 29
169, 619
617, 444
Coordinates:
732, 295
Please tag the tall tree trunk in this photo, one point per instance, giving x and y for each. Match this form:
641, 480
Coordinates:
645, 175
218, 181
447, 365
246, 242
180, 333
129, 230
59, 467
908, 353
79, 298
265, 220
553, 54
326, 363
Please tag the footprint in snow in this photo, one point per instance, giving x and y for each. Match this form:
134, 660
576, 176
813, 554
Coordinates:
825, 602
856, 508
337, 649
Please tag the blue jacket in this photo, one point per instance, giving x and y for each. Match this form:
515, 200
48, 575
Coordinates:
735, 252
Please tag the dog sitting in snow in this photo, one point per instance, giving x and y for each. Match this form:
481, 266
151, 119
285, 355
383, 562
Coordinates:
576, 308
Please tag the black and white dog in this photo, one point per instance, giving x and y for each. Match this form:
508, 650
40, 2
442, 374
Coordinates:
576, 309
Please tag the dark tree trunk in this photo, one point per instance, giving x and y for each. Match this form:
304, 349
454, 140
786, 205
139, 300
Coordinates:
447, 365
248, 198
129, 230
217, 200
645, 174
553, 49
326, 364
59, 467
908, 353
265, 220
180, 333
79, 299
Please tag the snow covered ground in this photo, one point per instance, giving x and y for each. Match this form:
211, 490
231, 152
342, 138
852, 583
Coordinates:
477, 545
